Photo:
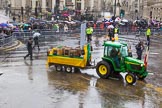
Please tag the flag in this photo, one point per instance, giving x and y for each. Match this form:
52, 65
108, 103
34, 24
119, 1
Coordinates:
146, 57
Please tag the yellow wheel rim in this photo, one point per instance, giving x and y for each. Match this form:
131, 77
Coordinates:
129, 79
102, 69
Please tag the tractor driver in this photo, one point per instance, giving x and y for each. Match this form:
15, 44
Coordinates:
115, 55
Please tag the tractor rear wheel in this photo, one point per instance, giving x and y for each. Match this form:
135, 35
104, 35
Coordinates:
103, 69
130, 78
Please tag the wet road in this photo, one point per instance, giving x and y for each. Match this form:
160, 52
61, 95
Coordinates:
26, 84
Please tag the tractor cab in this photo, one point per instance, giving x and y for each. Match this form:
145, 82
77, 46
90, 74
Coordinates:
117, 60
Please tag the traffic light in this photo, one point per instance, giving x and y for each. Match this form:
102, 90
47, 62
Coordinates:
22, 11
122, 13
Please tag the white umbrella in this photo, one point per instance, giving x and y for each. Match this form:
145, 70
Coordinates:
125, 20
121, 23
36, 34
10, 25
117, 19
110, 26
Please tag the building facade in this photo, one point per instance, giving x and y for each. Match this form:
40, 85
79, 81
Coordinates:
153, 9
133, 9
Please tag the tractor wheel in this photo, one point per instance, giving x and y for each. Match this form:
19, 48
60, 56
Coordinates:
130, 78
141, 77
58, 68
68, 69
103, 69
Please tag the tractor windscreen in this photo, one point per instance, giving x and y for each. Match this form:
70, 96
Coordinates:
124, 51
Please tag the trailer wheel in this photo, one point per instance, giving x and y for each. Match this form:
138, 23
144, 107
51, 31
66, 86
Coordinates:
103, 69
130, 78
76, 69
68, 69
141, 77
58, 68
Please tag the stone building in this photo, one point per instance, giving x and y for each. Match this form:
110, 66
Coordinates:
152, 9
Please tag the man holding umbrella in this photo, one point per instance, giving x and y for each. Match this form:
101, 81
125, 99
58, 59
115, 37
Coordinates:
110, 30
36, 39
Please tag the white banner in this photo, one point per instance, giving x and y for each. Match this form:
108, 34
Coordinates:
83, 35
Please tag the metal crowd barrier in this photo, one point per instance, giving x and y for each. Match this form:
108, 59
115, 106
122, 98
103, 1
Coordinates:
4, 41
54, 34
97, 31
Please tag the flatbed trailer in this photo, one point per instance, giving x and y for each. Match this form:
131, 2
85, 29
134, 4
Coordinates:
70, 62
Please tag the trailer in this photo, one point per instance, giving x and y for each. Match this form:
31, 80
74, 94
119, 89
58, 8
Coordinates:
69, 59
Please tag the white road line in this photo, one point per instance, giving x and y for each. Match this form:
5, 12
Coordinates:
154, 53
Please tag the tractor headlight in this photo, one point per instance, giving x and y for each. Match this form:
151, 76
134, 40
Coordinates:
141, 65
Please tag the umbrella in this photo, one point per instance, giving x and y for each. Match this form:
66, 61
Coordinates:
135, 21
4, 25
10, 25
117, 19
110, 20
107, 22
99, 21
25, 25
110, 26
65, 14
121, 23
31, 18
124, 20
36, 34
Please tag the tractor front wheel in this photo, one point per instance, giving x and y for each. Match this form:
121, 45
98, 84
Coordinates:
130, 78
103, 69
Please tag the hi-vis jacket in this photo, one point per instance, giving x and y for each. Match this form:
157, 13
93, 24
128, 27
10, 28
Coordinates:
89, 30
148, 32
116, 31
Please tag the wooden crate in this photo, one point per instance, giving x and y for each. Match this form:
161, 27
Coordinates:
79, 51
67, 51
59, 51
54, 51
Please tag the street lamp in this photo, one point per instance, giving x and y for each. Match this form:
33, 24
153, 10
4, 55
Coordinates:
117, 4
115, 8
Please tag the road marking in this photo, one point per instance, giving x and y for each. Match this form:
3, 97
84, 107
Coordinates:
154, 53
20, 44
157, 89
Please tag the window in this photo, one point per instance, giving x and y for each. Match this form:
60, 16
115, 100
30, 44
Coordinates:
135, 5
68, 0
105, 51
124, 51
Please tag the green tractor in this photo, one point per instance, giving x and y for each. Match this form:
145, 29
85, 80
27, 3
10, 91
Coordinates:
116, 60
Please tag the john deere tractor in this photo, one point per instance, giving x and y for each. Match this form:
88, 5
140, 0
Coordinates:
112, 64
